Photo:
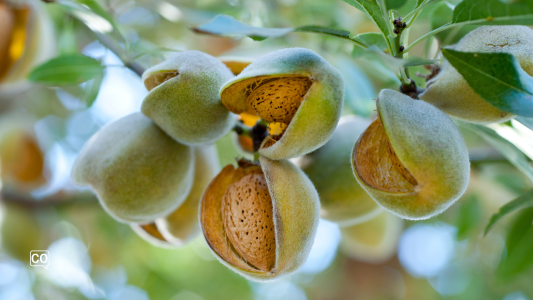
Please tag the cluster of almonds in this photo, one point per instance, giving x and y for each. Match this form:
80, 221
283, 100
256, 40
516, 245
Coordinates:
157, 170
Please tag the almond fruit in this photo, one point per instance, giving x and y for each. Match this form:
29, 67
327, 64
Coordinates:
295, 88
26, 40
449, 91
138, 172
412, 160
260, 220
183, 98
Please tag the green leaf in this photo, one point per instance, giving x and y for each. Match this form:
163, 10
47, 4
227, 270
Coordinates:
494, 12
497, 78
518, 256
394, 4
356, 5
469, 216
360, 92
369, 39
92, 89
506, 148
67, 70
224, 24
373, 10
525, 200
324, 30
91, 13
442, 15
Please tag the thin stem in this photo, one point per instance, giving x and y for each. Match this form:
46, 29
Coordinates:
256, 156
412, 20
431, 33
121, 53
399, 53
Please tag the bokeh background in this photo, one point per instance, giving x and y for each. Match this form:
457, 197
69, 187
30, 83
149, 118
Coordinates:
43, 128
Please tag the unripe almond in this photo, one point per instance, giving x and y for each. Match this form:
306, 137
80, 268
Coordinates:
137, 171
412, 160
26, 35
449, 91
22, 165
342, 199
183, 225
373, 241
295, 88
184, 99
260, 220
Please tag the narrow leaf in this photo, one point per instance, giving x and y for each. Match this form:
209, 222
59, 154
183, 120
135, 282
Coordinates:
67, 70
224, 24
494, 12
92, 90
369, 39
372, 8
519, 245
497, 78
96, 8
526, 200
468, 218
325, 30
506, 148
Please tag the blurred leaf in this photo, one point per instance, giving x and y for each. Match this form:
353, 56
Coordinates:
67, 70
92, 89
67, 43
442, 15
469, 216
91, 13
497, 77
369, 39
373, 10
223, 25
528, 122
525, 200
506, 148
394, 4
519, 246
494, 12
360, 92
